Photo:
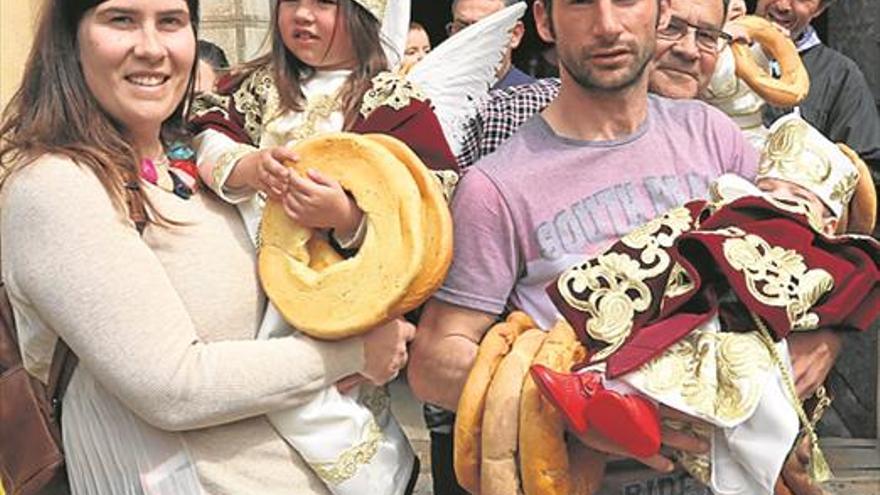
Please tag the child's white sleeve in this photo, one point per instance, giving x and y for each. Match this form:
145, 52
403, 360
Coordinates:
216, 157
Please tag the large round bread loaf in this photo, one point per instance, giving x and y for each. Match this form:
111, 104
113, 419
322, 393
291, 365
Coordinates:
788, 90
543, 455
469, 414
402, 260
436, 226
498, 468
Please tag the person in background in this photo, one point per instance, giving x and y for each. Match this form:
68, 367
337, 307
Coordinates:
467, 12
212, 64
840, 103
418, 44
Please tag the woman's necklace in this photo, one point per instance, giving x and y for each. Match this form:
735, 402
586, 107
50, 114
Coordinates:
174, 171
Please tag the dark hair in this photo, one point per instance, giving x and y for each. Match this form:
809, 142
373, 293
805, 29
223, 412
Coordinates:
53, 110
213, 55
288, 70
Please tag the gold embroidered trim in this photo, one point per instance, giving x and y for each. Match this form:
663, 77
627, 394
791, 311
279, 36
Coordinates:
225, 163
697, 465
375, 7
347, 464
318, 109
788, 153
210, 102
447, 179
845, 187
656, 235
678, 283
611, 289
778, 277
390, 89
257, 99
718, 374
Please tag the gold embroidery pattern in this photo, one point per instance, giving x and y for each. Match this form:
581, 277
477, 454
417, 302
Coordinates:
778, 277
719, 375
616, 292
611, 289
447, 179
390, 89
375, 7
697, 465
347, 464
787, 151
678, 283
376, 399
225, 163
317, 110
210, 102
257, 98
656, 235
845, 188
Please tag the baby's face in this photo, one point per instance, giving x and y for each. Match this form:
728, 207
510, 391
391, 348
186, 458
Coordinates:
791, 192
736, 9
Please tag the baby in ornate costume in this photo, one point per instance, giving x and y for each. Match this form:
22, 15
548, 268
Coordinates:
692, 309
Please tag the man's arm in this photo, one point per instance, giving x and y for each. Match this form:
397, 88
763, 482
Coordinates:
444, 350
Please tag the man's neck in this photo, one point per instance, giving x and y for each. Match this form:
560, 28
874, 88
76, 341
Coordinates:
595, 115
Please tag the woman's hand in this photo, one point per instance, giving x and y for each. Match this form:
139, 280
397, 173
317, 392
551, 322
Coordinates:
264, 170
320, 202
671, 439
385, 350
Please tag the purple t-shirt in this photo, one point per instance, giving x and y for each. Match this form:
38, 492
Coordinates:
542, 203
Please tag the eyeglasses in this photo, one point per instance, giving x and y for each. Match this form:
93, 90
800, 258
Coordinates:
456, 26
707, 39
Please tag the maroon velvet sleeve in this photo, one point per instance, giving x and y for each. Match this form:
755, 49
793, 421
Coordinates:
417, 126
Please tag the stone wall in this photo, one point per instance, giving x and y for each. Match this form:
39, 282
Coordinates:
854, 29
240, 27
16, 30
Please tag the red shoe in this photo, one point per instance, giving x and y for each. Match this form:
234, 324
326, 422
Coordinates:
630, 421
571, 393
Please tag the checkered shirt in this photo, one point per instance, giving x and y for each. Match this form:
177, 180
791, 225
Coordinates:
500, 115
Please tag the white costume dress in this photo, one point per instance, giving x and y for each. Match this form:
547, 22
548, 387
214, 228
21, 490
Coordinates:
352, 441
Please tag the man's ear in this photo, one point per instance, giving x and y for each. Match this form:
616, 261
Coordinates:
820, 10
516, 35
543, 22
832, 226
664, 14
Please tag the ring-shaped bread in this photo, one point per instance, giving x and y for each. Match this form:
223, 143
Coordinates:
436, 226
794, 84
543, 453
499, 473
861, 217
352, 295
471, 405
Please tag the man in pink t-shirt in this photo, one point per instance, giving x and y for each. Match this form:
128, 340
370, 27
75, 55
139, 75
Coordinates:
601, 159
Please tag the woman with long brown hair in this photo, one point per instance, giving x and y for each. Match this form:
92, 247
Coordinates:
170, 392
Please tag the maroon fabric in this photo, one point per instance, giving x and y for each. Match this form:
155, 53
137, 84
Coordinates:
853, 262
415, 124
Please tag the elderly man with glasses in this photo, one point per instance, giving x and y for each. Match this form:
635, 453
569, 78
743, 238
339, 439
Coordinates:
684, 60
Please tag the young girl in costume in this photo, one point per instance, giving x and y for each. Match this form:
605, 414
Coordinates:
692, 310
326, 72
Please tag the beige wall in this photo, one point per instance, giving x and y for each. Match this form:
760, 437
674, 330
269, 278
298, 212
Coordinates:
16, 31
237, 26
